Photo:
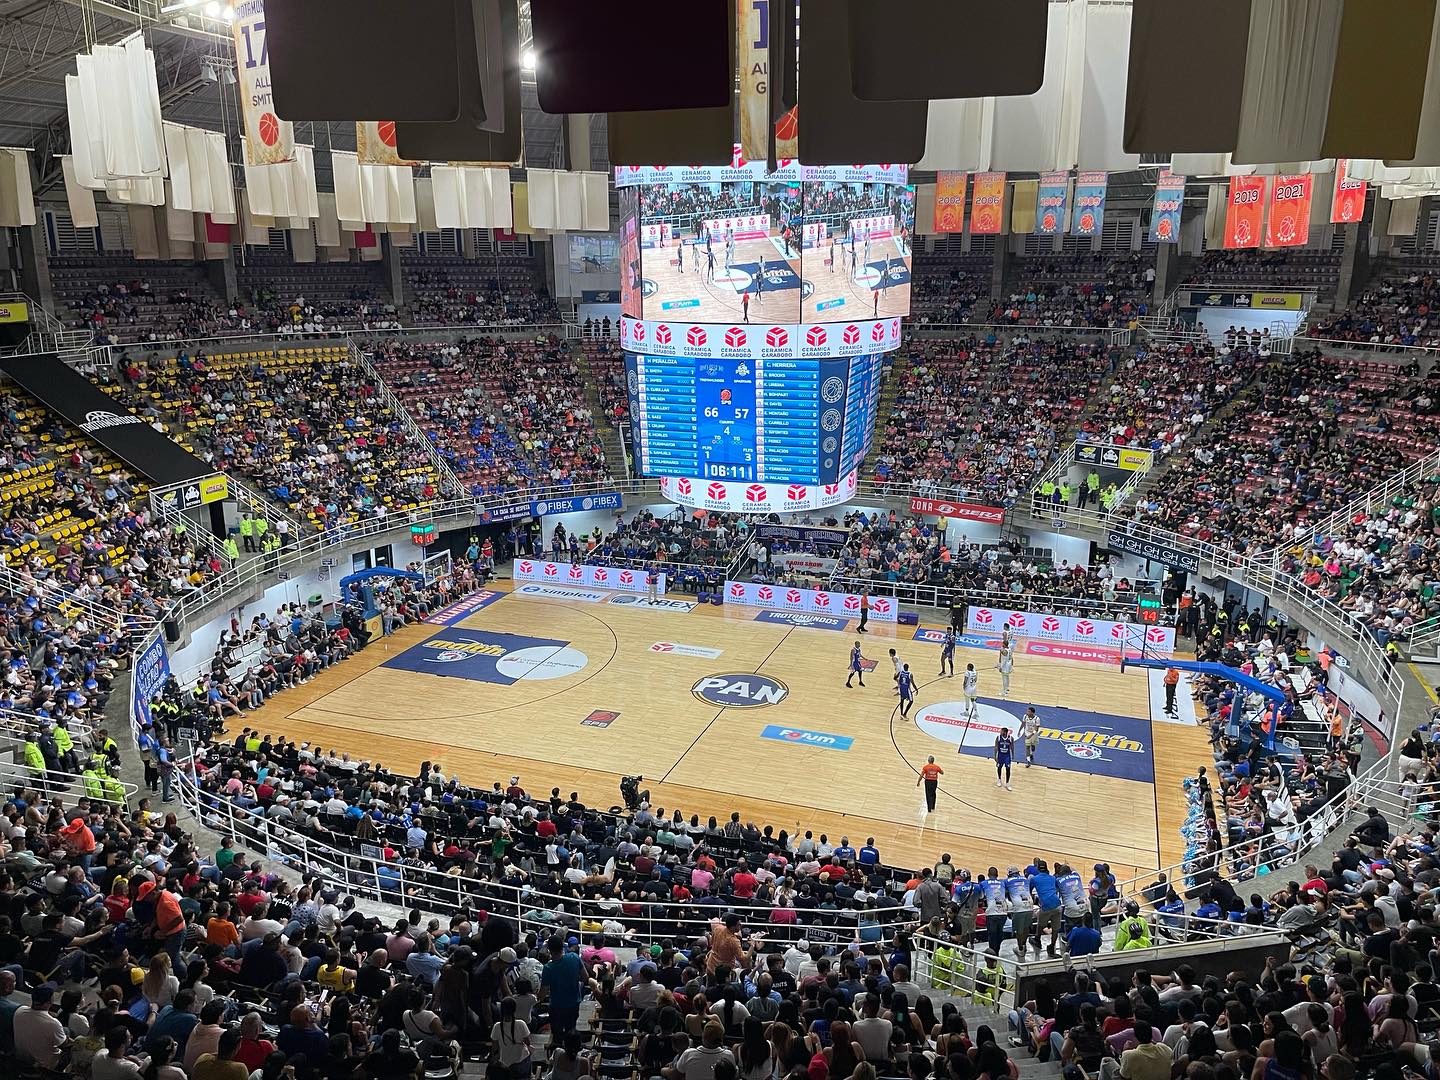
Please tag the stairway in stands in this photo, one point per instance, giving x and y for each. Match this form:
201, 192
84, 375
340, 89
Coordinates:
595, 373
898, 370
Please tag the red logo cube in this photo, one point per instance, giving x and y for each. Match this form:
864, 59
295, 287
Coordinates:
1050, 624
765, 593
551, 570
736, 589
984, 616
662, 334
683, 486
601, 573
755, 493
792, 596
822, 599
877, 332
851, 334
816, 335
695, 336
796, 492
777, 336
1017, 620
525, 567
735, 337
852, 603
1085, 628
638, 331
716, 491
627, 577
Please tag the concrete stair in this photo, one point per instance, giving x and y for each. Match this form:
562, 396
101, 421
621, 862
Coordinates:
615, 460
899, 367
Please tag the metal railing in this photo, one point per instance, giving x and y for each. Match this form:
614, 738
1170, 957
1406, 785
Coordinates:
449, 482
368, 876
53, 782
939, 596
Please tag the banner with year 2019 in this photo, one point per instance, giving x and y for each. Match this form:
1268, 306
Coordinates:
268, 139
1169, 203
810, 601
1245, 211
1101, 633
1090, 188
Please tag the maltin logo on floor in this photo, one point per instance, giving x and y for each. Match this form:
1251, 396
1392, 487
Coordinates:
740, 690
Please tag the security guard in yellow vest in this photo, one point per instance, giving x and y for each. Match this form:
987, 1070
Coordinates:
114, 791
247, 531
64, 747
261, 528
232, 550
94, 786
33, 757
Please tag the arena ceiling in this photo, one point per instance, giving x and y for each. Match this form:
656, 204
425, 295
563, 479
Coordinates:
39, 39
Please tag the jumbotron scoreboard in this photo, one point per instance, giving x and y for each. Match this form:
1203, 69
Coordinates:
757, 309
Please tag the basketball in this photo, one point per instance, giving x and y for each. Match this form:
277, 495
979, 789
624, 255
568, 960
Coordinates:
787, 126
270, 129
386, 130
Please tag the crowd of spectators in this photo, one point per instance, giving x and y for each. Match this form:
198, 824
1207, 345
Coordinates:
1301, 268
1308, 436
1397, 311
506, 415
442, 297
979, 418
310, 428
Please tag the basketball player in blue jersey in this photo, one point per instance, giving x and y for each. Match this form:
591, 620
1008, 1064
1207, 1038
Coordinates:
906, 682
1004, 756
947, 653
855, 669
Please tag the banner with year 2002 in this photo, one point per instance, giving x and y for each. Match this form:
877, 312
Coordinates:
268, 139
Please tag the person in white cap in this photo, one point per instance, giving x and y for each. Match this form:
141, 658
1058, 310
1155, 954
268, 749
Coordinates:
796, 955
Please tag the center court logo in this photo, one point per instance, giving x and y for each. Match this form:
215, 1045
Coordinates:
740, 690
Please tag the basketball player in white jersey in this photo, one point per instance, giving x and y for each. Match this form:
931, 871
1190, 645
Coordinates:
895, 661
1005, 664
971, 687
1030, 733
1007, 637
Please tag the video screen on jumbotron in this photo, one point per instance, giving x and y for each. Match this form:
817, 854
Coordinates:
631, 286
857, 256
721, 252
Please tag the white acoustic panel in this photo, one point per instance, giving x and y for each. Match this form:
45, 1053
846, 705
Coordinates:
81, 199
1102, 104
569, 201
596, 201
349, 200
1289, 67
17, 198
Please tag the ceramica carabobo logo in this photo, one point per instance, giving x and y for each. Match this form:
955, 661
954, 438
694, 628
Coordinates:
740, 690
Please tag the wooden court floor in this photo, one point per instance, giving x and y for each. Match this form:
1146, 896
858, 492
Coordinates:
717, 299
705, 759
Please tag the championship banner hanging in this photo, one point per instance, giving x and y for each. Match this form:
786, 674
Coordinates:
1348, 203
1169, 203
950, 202
1288, 222
989, 204
752, 27
1089, 203
1051, 205
1245, 212
268, 139
375, 143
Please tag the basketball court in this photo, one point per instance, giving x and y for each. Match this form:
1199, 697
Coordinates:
727, 709
679, 282
839, 286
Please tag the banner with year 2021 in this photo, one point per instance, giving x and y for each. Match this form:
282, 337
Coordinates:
1101, 633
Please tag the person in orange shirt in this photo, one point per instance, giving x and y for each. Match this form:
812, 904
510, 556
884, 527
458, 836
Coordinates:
930, 774
1172, 679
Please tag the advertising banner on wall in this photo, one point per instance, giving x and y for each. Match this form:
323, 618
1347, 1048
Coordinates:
809, 601
1361, 701
1106, 633
757, 341
993, 515
756, 498
152, 668
950, 202
584, 577
1112, 456
1146, 549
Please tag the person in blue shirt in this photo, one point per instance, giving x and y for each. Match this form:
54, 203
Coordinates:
855, 669
1082, 940
947, 652
1004, 755
992, 889
966, 895
844, 851
906, 682
563, 979
1047, 896
1022, 907
869, 854
1073, 902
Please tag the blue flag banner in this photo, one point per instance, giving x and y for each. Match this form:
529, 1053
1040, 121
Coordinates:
1051, 207
1169, 201
1089, 203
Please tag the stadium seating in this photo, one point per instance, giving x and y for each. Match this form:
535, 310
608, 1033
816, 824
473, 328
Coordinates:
1398, 310
454, 291
506, 415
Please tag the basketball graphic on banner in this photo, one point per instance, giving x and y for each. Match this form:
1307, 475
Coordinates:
788, 126
1087, 222
386, 130
269, 127
1164, 228
1048, 222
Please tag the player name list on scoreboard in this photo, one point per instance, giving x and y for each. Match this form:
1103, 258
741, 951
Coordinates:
764, 419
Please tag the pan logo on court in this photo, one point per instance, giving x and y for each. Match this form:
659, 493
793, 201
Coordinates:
740, 690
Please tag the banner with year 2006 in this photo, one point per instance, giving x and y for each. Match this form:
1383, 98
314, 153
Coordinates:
268, 139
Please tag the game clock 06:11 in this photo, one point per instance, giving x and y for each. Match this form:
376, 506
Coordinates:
720, 470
